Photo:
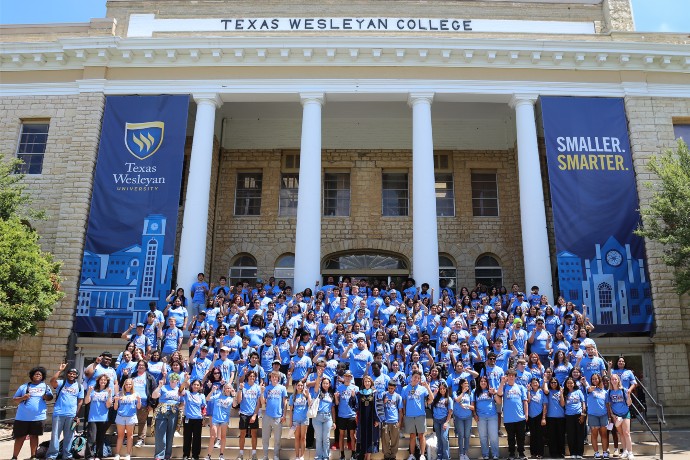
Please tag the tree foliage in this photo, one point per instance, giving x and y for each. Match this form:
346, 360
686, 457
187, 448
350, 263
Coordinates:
29, 277
667, 218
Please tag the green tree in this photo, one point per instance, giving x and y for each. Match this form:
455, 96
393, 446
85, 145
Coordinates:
667, 218
29, 277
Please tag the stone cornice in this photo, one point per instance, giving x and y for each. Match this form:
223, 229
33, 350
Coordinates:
180, 52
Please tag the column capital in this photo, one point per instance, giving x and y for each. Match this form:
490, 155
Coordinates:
208, 98
312, 96
523, 98
414, 98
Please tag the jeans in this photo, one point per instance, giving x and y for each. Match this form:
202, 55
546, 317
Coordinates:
166, 422
488, 435
271, 425
61, 424
463, 429
443, 449
322, 434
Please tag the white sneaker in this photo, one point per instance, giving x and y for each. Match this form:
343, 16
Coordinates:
220, 457
411, 457
127, 457
139, 443
117, 457
177, 434
216, 444
422, 457
625, 454
631, 456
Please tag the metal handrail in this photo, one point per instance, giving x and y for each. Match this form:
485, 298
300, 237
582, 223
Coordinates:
661, 419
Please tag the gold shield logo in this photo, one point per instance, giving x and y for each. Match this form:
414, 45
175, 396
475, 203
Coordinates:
144, 139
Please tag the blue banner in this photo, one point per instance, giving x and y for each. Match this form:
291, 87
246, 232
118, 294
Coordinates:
601, 263
128, 254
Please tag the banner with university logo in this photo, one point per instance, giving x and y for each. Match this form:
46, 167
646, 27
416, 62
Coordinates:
128, 253
601, 263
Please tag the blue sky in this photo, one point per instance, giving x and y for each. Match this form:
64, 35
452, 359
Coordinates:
650, 15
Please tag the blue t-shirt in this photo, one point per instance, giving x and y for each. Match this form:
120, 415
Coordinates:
200, 367
66, 402
98, 411
139, 382
561, 371
513, 407
33, 409
392, 403
359, 360
485, 404
155, 368
299, 404
460, 408
573, 402
619, 406
590, 366
275, 395
300, 367
554, 408
345, 408
326, 404
536, 403
440, 409
179, 313
227, 368
171, 338
414, 397
250, 398
626, 376
199, 290
540, 341
127, 405
169, 394
221, 408
596, 401
193, 402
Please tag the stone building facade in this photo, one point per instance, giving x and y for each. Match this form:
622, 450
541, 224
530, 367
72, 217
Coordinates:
363, 82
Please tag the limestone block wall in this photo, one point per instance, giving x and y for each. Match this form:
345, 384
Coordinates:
64, 191
651, 131
463, 237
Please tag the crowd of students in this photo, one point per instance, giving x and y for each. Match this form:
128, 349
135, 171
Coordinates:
368, 362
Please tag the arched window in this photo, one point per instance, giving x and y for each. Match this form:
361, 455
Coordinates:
148, 281
243, 268
488, 271
285, 269
605, 293
447, 271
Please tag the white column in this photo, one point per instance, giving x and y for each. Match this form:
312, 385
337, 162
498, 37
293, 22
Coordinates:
195, 220
308, 231
424, 228
535, 240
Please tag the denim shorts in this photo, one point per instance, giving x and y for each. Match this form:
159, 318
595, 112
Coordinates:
595, 421
296, 423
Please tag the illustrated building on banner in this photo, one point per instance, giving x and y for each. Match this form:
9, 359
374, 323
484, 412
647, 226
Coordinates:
115, 289
613, 285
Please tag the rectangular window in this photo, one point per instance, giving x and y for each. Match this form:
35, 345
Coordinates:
445, 195
289, 186
484, 194
32, 146
395, 197
635, 309
574, 295
635, 294
336, 194
248, 194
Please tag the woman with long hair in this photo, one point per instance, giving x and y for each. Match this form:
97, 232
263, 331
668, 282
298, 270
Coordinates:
536, 408
299, 405
126, 404
222, 403
248, 399
323, 422
598, 415
166, 414
486, 415
100, 398
463, 409
367, 421
194, 403
619, 408
442, 411
555, 417
575, 404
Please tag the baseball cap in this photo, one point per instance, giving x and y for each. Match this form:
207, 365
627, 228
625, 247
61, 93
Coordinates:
276, 361
202, 313
348, 372
521, 294
224, 348
140, 324
204, 348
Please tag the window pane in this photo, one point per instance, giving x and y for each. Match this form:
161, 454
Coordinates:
32, 146
336, 194
445, 196
484, 194
248, 194
288, 194
243, 269
487, 271
395, 194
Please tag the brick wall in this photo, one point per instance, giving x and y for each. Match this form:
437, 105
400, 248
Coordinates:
651, 131
64, 191
463, 237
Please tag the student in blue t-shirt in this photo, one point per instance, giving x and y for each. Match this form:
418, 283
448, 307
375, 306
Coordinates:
536, 408
346, 420
274, 399
248, 397
194, 403
415, 395
598, 414
68, 402
100, 399
619, 407
31, 410
486, 400
222, 402
199, 292
126, 404
555, 417
299, 405
442, 411
575, 405
515, 412
463, 409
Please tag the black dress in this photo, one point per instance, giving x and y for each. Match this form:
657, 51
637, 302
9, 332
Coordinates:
367, 434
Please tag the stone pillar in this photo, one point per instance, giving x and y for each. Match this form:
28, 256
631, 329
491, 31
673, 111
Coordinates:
424, 226
535, 240
195, 220
308, 229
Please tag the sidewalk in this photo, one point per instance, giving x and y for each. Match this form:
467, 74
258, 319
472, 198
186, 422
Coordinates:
676, 447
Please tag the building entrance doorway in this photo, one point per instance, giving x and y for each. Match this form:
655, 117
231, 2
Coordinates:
374, 267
